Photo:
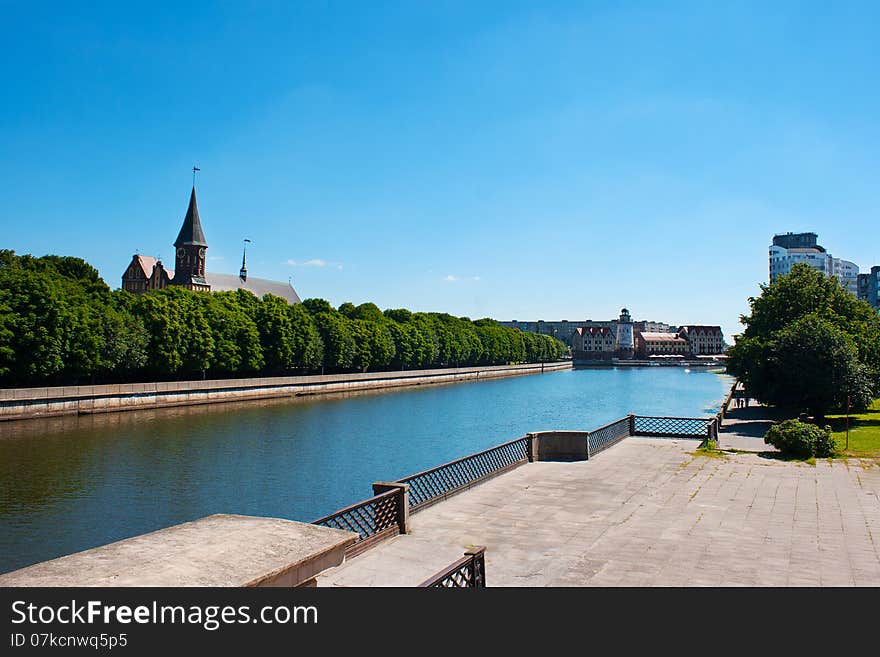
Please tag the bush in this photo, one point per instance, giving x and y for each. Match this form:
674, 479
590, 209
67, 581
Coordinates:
825, 445
800, 439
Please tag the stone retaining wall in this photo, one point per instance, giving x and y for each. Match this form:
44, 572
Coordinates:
24, 403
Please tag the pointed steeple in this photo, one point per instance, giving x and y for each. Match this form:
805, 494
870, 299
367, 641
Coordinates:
242, 274
191, 232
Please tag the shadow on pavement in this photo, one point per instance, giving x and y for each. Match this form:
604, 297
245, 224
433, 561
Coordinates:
746, 429
756, 412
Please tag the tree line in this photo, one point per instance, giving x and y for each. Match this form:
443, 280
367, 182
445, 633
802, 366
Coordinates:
61, 324
809, 345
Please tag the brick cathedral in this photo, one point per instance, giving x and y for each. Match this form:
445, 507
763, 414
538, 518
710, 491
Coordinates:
190, 254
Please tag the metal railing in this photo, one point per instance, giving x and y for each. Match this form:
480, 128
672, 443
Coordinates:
610, 434
386, 514
723, 412
467, 572
674, 427
373, 520
431, 486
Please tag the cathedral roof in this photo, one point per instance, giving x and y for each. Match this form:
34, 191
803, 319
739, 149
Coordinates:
256, 286
146, 263
191, 232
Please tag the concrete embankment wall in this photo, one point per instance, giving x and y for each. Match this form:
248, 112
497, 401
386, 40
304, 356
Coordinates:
25, 403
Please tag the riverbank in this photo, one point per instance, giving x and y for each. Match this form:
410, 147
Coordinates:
616, 362
28, 403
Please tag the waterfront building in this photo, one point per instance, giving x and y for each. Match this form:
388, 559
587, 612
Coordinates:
145, 273
868, 287
624, 339
654, 327
703, 340
594, 343
563, 330
789, 249
650, 344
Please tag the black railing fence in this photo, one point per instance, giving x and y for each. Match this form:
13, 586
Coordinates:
373, 520
673, 427
430, 486
610, 434
386, 514
467, 572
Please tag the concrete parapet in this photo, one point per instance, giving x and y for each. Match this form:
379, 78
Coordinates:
559, 446
219, 550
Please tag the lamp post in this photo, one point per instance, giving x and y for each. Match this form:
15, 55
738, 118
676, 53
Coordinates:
848, 403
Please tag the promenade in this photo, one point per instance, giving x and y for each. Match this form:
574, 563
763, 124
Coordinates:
744, 427
649, 512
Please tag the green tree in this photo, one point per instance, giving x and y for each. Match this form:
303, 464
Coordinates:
126, 344
308, 348
815, 366
382, 348
33, 323
400, 315
181, 342
340, 350
318, 306
276, 334
406, 345
347, 309
369, 312
237, 345
164, 326
808, 344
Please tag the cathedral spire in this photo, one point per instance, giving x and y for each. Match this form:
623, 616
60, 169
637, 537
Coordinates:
191, 232
242, 274
190, 247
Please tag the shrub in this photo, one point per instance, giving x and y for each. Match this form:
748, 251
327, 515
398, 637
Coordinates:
825, 445
800, 439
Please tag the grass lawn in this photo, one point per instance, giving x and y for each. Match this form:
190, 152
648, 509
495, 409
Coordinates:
864, 432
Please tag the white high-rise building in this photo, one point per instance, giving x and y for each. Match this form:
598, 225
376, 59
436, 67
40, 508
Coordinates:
791, 248
847, 273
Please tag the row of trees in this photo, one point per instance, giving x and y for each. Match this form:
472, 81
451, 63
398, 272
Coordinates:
809, 345
60, 324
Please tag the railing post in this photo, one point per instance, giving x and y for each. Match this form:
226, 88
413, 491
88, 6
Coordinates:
402, 501
530, 445
478, 563
632, 424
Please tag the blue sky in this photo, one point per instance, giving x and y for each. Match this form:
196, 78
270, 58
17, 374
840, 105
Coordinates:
507, 159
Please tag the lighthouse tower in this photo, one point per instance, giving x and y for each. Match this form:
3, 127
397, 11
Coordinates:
625, 343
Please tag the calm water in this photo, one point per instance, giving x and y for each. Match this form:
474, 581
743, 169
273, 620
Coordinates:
68, 484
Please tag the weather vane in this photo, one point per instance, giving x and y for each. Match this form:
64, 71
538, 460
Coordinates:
195, 168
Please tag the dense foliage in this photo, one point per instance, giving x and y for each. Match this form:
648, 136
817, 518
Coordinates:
800, 439
809, 345
60, 324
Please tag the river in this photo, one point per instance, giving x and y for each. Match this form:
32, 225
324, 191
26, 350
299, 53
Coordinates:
72, 483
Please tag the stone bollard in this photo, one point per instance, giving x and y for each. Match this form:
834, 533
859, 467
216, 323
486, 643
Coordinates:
380, 487
530, 447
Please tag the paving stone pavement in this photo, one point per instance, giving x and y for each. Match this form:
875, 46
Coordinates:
648, 512
744, 428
